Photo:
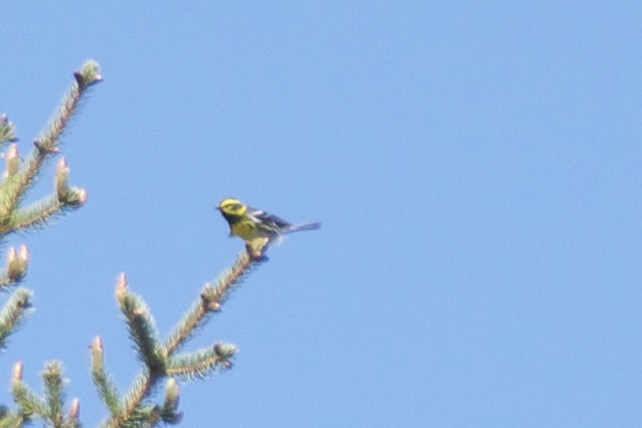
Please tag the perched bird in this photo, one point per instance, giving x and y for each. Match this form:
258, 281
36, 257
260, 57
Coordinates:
251, 224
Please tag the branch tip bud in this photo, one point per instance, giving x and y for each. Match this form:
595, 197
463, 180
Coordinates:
121, 286
74, 409
62, 179
97, 344
23, 256
208, 299
172, 393
88, 74
225, 350
17, 262
81, 196
12, 158
12, 255
16, 372
62, 164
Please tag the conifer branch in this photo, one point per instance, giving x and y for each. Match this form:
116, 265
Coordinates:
12, 420
29, 404
16, 266
48, 141
210, 301
7, 129
38, 213
160, 360
107, 391
47, 144
49, 408
132, 410
17, 178
202, 363
143, 332
32, 216
158, 365
141, 326
9, 185
73, 414
54, 392
13, 313
169, 411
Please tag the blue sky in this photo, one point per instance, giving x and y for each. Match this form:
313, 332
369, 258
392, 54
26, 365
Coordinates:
476, 167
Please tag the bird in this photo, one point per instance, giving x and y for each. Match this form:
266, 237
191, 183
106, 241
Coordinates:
251, 224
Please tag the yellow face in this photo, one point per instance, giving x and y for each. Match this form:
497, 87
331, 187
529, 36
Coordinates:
234, 212
232, 207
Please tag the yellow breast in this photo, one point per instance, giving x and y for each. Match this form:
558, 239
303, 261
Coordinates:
245, 229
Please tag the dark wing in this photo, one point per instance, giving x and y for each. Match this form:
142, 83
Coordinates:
269, 219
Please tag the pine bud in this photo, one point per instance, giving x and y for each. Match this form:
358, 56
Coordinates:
16, 372
62, 179
121, 286
225, 351
17, 263
7, 130
75, 197
23, 256
208, 297
172, 393
12, 157
88, 75
97, 344
97, 355
74, 409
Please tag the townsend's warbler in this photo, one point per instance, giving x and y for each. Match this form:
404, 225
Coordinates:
252, 224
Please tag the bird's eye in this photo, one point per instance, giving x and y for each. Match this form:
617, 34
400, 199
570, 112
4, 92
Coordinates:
237, 207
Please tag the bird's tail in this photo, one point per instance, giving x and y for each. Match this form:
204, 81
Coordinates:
305, 226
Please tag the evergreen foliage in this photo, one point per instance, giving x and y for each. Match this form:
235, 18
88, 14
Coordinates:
161, 362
